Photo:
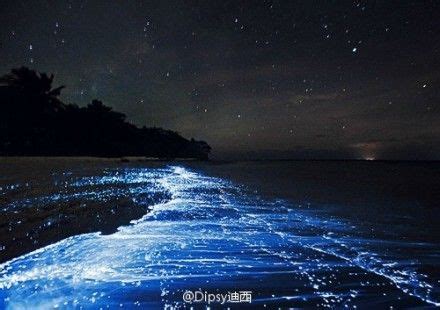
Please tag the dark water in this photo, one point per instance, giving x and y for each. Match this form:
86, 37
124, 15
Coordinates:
297, 235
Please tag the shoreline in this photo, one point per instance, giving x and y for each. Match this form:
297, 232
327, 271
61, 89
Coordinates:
124, 159
23, 231
47, 206
97, 158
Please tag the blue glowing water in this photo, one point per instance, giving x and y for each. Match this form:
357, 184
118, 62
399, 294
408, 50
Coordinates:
215, 236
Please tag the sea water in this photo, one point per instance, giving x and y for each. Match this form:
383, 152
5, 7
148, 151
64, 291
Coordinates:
213, 235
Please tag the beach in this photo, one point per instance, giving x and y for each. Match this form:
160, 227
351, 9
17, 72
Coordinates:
105, 233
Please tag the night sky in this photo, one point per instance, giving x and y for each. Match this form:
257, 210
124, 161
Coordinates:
255, 79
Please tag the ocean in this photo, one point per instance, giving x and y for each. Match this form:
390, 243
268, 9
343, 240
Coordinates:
102, 234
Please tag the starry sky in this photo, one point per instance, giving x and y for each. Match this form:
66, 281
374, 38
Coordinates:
255, 79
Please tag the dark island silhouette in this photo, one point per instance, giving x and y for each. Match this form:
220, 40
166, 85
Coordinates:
35, 122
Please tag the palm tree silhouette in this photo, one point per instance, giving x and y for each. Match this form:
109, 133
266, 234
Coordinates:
36, 86
34, 121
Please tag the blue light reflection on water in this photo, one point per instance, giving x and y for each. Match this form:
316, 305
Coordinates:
211, 235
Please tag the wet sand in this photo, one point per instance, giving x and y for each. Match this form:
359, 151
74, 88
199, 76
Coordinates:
38, 207
215, 235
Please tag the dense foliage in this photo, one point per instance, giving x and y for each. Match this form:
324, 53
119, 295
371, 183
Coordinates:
34, 121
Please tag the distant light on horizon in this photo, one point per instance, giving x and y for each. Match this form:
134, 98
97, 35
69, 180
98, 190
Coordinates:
243, 80
368, 150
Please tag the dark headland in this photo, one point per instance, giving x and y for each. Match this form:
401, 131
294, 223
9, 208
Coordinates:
39, 132
35, 122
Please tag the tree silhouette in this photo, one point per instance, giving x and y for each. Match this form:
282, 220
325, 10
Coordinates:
36, 86
34, 121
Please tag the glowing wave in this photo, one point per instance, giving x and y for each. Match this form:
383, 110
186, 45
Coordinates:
211, 235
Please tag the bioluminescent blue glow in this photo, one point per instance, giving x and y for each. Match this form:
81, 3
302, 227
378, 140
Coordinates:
210, 234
